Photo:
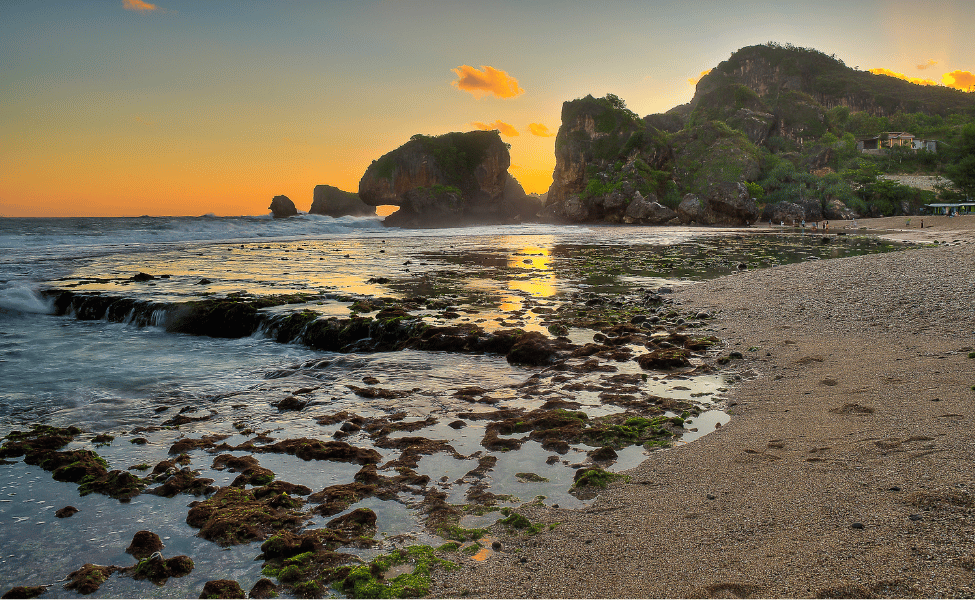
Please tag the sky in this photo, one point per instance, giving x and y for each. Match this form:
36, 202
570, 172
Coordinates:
192, 107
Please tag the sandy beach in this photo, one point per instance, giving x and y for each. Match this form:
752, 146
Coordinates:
845, 470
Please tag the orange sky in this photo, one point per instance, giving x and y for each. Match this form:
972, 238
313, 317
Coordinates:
180, 107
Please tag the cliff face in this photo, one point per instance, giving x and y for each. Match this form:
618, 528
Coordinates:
605, 159
333, 202
614, 167
452, 179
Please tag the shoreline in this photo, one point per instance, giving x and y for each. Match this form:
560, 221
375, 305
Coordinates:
845, 470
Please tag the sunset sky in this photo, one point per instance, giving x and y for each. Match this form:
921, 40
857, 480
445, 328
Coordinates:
189, 107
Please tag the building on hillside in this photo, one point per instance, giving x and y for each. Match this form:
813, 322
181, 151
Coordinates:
887, 139
895, 139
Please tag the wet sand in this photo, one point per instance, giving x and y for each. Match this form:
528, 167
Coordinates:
845, 470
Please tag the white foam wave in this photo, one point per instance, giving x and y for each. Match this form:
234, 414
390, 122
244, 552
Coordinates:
24, 299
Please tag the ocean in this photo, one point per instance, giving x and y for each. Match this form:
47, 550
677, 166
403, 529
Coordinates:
93, 334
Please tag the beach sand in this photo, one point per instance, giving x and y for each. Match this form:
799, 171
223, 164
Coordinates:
846, 467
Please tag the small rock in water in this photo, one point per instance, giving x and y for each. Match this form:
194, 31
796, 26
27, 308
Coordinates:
204, 281
457, 424
65, 512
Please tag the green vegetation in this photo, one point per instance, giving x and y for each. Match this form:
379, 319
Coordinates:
597, 478
365, 581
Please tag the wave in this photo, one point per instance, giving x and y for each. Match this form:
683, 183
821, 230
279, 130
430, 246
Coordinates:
24, 299
123, 232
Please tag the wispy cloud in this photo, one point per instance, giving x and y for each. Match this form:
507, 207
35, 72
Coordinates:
539, 130
501, 126
960, 80
138, 5
694, 80
931, 62
488, 80
889, 73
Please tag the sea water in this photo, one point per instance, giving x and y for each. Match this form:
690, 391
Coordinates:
115, 377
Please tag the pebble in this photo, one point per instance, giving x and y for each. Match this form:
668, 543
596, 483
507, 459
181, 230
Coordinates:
856, 526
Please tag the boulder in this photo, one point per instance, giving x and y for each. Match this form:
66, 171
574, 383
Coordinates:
730, 204
783, 212
837, 211
282, 206
333, 202
690, 210
641, 210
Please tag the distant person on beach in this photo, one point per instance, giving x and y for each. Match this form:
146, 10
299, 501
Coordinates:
922, 223
826, 226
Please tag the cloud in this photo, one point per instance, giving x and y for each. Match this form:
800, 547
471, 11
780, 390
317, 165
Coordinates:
960, 80
138, 5
539, 130
931, 62
487, 81
501, 126
694, 80
889, 73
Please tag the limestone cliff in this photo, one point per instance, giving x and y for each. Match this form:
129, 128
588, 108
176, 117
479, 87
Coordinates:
452, 179
612, 166
333, 202
606, 157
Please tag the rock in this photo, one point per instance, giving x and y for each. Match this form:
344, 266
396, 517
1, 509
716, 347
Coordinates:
783, 212
333, 202
358, 523
447, 180
532, 348
291, 403
664, 358
604, 454
66, 512
837, 211
89, 578
144, 543
650, 211
755, 124
517, 206
856, 526
604, 155
142, 277
690, 209
282, 206
222, 588
25, 592
157, 569
264, 588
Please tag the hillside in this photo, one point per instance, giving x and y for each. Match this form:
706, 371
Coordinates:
776, 125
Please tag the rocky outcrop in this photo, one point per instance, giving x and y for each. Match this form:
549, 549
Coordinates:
282, 206
713, 162
605, 156
727, 204
648, 211
755, 125
333, 202
448, 180
787, 213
